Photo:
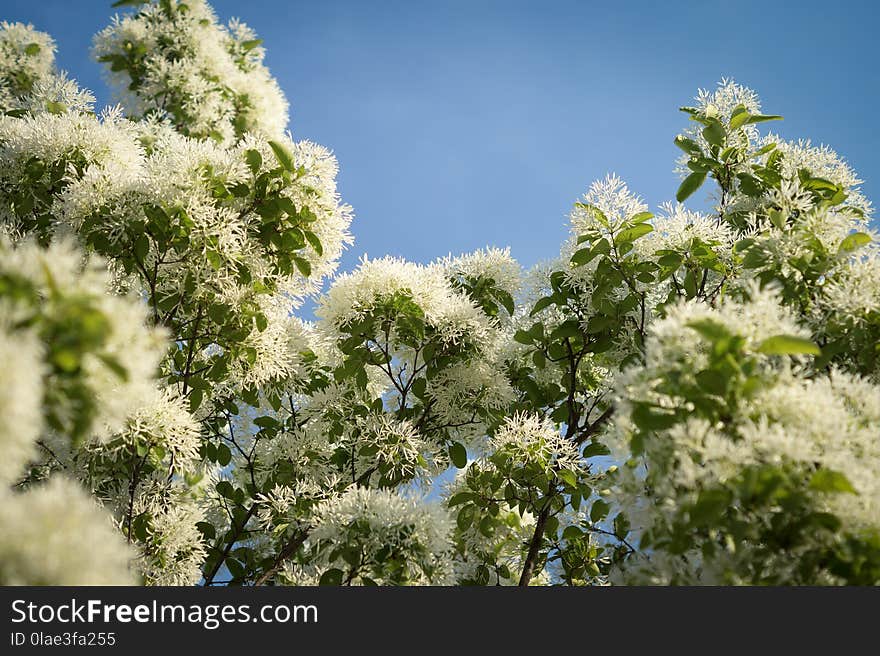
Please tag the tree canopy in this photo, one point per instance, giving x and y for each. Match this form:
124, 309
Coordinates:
690, 396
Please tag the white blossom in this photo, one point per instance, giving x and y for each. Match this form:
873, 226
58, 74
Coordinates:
450, 312
21, 401
212, 77
494, 264
26, 57
613, 198
373, 520
55, 534
528, 439
58, 274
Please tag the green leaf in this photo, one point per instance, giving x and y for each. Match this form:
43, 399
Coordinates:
710, 506
142, 247
313, 240
689, 185
66, 360
225, 489
224, 455
214, 259
690, 283
303, 265
828, 480
710, 329
580, 258
195, 399
641, 217
235, 568
653, 418
788, 345
714, 133
672, 260
261, 321
631, 234
539, 359
250, 44
458, 455
282, 156
465, 517
598, 214
739, 117
854, 241
712, 381
596, 449
207, 529
688, 145
331, 577
419, 387
572, 533
599, 510
761, 118
254, 160
460, 498
55, 107
523, 337
749, 185
568, 477
621, 525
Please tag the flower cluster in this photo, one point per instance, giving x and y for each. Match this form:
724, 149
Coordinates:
94, 354
726, 420
26, 57
376, 283
55, 534
529, 440
380, 536
173, 60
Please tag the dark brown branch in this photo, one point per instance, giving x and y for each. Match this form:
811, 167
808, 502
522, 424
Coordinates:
191, 350
296, 541
132, 489
537, 540
209, 578
593, 428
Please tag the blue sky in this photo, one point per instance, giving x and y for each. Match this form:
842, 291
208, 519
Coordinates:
463, 124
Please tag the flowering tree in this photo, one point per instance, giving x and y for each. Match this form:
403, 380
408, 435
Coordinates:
691, 397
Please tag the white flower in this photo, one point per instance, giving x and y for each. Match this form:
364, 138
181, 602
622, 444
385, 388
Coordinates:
56, 535
450, 312
210, 79
676, 228
853, 292
494, 264
108, 141
395, 445
174, 551
21, 401
26, 57
376, 520
166, 422
118, 371
719, 103
528, 439
822, 162
761, 316
613, 198
728, 95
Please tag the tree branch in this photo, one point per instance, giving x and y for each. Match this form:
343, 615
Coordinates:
296, 541
209, 578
